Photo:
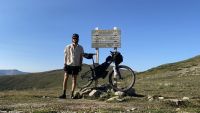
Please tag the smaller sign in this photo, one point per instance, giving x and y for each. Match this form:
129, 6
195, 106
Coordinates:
106, 38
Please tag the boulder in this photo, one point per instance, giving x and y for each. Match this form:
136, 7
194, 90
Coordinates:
95, 93
160, 98
77, 95
150, 98
119, 93
85, 91
104, 87
185, 98
177, 102
115, 98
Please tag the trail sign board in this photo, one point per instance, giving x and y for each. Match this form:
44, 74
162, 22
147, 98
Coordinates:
106, 38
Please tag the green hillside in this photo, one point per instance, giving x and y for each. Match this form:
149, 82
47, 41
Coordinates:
53, 79
177, 66
174, 79
38, 92
50, 79
44, 80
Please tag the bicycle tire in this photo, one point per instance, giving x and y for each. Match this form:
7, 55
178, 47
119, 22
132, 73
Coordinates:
124, 84
86, 78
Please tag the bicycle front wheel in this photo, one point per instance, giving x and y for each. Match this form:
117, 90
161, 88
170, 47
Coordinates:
126, 81
86, 77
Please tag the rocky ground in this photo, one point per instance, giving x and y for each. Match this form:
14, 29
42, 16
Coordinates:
94, 100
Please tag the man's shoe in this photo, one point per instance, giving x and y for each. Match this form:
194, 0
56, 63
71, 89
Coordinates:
72, 95
62, 96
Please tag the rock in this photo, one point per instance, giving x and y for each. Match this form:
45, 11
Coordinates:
112, 90
113, 98
167, 84
177, 102
116, 98
160, 98
150, 98
120, 100
132, 109
95, 93
85, 91
77, 95
178, 109
185, 98
119, 93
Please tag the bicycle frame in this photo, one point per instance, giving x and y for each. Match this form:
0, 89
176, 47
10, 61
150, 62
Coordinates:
110, 59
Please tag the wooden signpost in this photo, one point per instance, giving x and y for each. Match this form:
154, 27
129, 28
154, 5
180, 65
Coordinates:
105, 39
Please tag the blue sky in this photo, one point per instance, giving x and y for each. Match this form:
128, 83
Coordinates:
33, 33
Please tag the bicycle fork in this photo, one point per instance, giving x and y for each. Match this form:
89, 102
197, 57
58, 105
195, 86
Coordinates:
117, 72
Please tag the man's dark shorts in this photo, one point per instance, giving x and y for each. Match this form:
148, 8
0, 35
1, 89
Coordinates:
72, 70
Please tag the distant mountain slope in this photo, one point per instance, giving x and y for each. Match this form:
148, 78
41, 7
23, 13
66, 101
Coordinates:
49, 79
32, 81
11, 72
183, 71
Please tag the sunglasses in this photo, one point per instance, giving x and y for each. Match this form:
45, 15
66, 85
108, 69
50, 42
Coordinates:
75, 38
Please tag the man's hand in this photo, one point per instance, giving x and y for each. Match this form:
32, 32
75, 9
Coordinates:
65, 67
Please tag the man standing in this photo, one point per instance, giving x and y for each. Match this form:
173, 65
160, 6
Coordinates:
73, 62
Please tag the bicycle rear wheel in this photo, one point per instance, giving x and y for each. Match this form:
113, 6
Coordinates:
126, 81
86, 77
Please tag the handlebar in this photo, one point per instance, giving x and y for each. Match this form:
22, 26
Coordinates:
113, 52
88, 55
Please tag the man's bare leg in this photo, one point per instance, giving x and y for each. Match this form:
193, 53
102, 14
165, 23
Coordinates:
66, 76
74, 77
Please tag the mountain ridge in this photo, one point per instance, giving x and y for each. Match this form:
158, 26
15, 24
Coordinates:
11, 72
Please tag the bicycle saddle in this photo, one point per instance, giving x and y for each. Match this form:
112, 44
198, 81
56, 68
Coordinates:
88, 55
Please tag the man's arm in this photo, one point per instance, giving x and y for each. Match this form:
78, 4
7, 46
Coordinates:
65, 56
81, 59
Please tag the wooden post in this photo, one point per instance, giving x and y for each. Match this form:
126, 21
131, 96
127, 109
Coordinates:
97, 59
115, 48
97, 55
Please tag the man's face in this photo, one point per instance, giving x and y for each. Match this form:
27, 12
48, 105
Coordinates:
75, 40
